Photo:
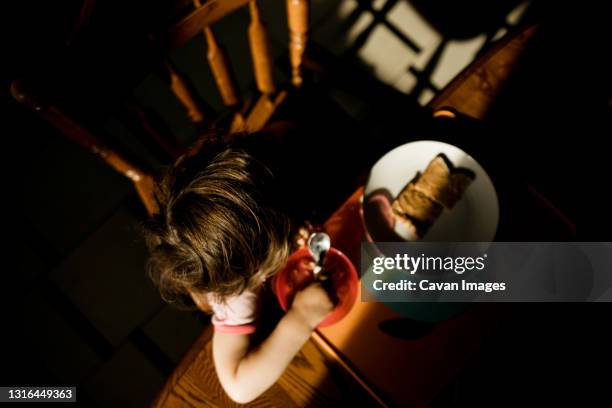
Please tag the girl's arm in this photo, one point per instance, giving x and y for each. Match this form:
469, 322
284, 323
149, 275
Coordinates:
246, 373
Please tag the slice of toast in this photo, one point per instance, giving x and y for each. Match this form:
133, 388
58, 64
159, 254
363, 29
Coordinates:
443, 185
417, 205
416, 211
423, 199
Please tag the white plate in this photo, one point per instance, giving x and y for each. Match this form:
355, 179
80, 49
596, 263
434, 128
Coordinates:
473, 218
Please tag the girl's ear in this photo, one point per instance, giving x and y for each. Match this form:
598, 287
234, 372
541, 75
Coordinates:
201, 300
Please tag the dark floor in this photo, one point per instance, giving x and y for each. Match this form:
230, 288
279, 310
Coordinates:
90, 317
85, 313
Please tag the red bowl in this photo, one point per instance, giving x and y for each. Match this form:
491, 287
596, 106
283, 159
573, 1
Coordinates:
297, 275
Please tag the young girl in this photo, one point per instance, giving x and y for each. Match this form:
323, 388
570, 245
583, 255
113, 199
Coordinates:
219, 235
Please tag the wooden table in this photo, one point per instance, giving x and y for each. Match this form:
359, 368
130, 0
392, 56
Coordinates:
314, 378
354, 361
410, 368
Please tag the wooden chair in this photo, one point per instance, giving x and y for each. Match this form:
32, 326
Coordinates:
248, 116
318, 375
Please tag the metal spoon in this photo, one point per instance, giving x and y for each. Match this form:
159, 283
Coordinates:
318, 245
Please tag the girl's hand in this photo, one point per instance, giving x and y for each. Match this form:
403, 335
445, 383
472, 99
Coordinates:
312, 304
300, 238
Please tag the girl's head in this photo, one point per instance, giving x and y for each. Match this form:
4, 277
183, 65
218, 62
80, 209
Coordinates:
217, 230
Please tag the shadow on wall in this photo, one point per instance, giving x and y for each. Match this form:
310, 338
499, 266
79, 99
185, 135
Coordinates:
415, 46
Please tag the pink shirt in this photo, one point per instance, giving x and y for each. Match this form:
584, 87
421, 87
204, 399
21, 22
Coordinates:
237, 314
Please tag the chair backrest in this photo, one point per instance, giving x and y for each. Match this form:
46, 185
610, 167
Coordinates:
247, 117
200, 22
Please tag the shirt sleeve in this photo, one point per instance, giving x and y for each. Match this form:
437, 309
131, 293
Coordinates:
236, 314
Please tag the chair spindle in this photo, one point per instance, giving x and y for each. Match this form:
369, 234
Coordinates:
297, 15
260, 51
219, 65
181, 90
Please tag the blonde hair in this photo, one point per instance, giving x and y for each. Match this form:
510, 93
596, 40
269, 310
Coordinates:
217, 230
